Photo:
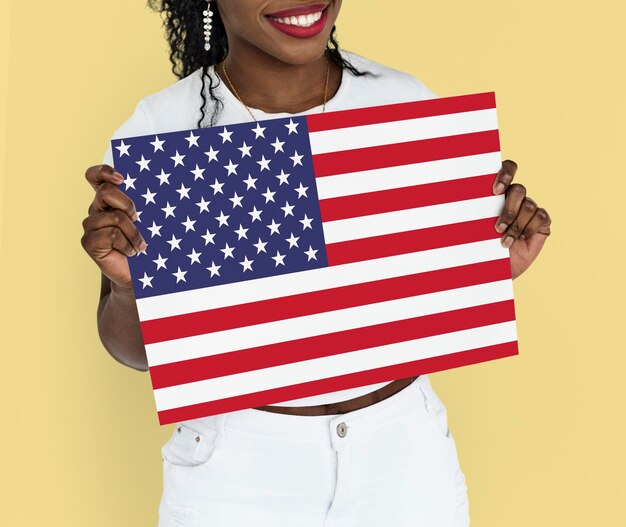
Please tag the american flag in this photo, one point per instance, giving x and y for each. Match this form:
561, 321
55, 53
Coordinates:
304, 255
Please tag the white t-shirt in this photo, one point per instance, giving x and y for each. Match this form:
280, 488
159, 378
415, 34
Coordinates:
177, 107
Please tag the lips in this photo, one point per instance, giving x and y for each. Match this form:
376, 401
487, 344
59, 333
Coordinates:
300, 10
300, 22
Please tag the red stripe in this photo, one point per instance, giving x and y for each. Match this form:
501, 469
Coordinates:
264, 311
406, 153
411, 241
400, 111
343, 382
330, 344
406, 197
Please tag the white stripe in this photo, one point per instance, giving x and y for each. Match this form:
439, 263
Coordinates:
379, 134
408, 175
411, 219
342, 364
327, 322
318, 279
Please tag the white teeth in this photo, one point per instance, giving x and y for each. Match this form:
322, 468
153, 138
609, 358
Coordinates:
300, 21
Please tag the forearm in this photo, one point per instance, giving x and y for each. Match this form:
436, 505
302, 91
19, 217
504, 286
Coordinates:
119, 330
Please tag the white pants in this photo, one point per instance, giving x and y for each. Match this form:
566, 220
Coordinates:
390, 463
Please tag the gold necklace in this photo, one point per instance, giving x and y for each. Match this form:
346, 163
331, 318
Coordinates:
251, 115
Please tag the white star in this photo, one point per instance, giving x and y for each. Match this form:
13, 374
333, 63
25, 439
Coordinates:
236, 200
155, 229
157, 144
146, 280
123, 149
293, 241
301, 190
269, 196
160, 261
169, 210
208, 237
245, 150
292, 127
247, 264
163, 177
258, 131
241, 232
215, 269
287, 209
297, 159
279, 259
189, 224
129, 182
178, 159
264, 163
197, 173
204, 205
143, 164
212, 154
250, 182
278, 145
260, 246
311, 253
306, 222
282, 177
217, 187
228, 251
225, 135
192, 139
149, 196
256, 214
180, 275
231, 167
183, 191
174, 243
222, 218
139, 215
194, 256
144, 252
273, 227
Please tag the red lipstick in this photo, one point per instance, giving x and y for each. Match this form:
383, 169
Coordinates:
294, 30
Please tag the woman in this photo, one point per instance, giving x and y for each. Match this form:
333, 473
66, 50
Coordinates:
375, 455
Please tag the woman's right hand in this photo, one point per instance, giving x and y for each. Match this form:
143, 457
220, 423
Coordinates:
109, 233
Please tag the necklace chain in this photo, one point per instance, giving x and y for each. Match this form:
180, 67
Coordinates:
232, 87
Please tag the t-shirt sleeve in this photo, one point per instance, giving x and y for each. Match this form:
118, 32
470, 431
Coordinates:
139, 123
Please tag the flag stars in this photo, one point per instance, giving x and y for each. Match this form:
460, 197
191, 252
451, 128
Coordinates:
293, 241
311, 253
217, 187
273, 227
297, 159
288, 209
129, 182
160, 262
174, 243
212, 154
123, 149
197, 173
256, 214
301, 190
228, 251
183, 191
215, 269
203, 205
245, 150
241, 232
278, 146
157, 144
208, 237
143, 164
268, 195
169, 210
222, 218
146, 280
306, 222
194, 257
155, 230
264, 163
192, 139
163, 178
260, 246
279, 259
189, 224
250, 182
247, 264
236, 199
282, 177
178, 159
180, 275
225, 135
231, 167
292, 127
149, 196
258, 131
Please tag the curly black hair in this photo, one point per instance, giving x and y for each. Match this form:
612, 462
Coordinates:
184, 27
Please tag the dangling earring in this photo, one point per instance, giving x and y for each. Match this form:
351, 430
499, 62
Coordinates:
207, 26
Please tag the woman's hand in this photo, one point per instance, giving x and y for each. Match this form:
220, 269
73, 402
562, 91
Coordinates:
110, 236
524, 226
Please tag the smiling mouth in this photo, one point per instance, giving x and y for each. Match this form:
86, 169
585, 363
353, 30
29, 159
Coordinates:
305, 16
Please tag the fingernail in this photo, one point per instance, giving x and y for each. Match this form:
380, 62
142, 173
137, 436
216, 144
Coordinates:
117, 177
135, 217
501, 227
508, 241
499, 188
143, 246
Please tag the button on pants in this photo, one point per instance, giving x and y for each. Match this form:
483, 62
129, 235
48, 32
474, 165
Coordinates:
393, 463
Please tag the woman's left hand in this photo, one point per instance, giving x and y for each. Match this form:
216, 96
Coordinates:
524, 226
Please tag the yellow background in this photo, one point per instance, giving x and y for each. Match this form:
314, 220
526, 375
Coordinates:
540, 436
